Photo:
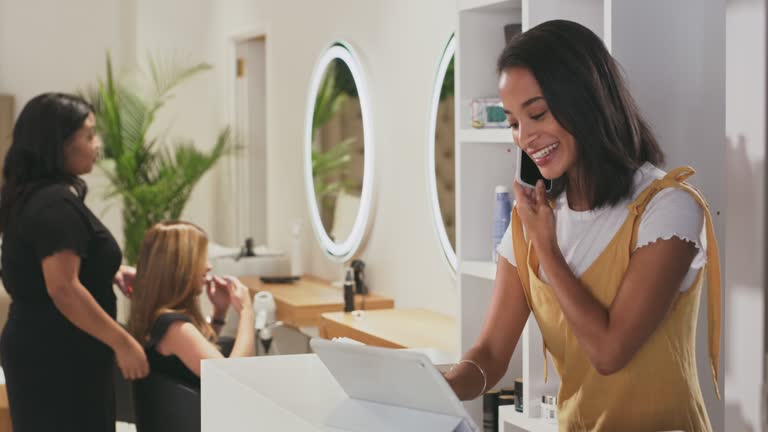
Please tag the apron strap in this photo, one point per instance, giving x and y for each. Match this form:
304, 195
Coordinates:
672, 179
676, 179
523, 250
521, 246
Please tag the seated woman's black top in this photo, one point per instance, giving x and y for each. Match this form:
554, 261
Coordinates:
168, 365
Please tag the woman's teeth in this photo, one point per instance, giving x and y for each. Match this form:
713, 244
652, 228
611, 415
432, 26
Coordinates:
545, 151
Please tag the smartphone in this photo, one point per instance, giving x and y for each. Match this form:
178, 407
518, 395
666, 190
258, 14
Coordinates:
528, 173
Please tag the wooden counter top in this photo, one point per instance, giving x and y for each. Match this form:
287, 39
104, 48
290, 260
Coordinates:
394, 328
301, 303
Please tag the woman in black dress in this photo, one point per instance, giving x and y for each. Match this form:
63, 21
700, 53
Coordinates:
59, 262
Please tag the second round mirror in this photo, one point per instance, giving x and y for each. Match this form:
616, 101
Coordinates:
340, 152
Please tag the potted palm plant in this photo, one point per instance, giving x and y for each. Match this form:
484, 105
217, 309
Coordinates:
153, 178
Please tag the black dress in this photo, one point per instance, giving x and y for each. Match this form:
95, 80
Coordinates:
168, 365
58, 377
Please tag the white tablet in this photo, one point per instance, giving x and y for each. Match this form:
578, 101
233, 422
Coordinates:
388, 376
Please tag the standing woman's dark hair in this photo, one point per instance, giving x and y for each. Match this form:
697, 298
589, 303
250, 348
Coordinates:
36, 156
586, 93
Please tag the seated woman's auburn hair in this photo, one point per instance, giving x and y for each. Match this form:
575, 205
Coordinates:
170, 273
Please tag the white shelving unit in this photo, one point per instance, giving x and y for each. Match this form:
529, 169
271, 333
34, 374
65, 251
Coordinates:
513, 421
676, 85
486, 158
480, 269
501, 136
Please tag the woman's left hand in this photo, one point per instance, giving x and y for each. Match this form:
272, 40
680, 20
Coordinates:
218, 294
537, 216
124, 279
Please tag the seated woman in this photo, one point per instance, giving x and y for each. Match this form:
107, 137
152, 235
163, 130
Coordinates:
171, 273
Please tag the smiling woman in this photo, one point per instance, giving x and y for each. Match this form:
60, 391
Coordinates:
612, 262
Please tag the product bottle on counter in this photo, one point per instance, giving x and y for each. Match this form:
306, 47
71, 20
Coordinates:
297, 252
349, 291
491, 411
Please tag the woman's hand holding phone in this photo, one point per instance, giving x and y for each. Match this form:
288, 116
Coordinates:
537, 216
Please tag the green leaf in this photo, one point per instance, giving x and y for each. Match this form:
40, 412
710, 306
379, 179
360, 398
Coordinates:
329, 99
154, 180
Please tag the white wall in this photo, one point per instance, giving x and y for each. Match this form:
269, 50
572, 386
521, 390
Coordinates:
400, 43
180, 31
676, 88
744, 251
60, 46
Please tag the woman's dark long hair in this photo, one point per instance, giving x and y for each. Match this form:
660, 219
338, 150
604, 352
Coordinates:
36, 156
586, 94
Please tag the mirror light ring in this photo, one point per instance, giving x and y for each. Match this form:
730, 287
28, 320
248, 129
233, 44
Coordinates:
340, 251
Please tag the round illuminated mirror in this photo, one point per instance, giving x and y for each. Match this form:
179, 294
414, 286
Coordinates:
339, 152
441, 159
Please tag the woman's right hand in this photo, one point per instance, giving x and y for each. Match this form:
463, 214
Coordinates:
537, 217
219, 295
131, 359
239, 294
450, 380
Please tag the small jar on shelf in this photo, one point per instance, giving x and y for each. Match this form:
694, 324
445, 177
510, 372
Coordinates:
549, 408
488, 113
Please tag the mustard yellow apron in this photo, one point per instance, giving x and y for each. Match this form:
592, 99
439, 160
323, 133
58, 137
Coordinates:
659, 388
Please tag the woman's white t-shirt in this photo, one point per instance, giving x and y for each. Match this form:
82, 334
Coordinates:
582, 236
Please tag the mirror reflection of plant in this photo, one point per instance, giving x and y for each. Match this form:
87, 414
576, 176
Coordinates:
345, 82
328, 101
446, 173
448, 89
329, 165
153, 180
333, 164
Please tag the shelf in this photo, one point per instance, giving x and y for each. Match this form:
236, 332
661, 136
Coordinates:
481, 269
488, 5
501, 136
508, 415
